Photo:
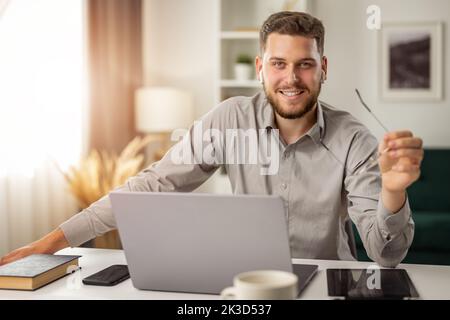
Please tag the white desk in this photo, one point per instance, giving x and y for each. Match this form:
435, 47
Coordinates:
432, 282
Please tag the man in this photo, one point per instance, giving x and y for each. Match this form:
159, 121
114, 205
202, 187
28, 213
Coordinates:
323, 176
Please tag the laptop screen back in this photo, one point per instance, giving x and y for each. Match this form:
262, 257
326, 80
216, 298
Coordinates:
190, 242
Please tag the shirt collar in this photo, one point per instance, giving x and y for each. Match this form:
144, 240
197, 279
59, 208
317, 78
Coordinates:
317, 131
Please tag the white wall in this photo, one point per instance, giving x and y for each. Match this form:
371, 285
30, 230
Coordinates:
179, 50
179, 47
353, 62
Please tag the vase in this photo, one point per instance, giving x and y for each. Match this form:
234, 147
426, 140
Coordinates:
243, 71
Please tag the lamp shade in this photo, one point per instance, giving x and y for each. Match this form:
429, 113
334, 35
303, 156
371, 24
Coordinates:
163, 109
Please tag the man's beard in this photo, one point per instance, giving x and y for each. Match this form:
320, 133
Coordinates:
309, 105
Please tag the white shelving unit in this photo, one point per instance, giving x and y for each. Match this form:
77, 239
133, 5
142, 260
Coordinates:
237, 32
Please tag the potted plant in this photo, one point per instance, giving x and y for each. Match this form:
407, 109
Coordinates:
243, 67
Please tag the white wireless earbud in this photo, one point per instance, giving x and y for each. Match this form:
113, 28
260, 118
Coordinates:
261, 80
323, 77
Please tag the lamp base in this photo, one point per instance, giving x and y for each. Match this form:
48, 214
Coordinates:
165, 144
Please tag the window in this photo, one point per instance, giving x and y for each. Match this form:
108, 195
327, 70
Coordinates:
41, 114
41, 84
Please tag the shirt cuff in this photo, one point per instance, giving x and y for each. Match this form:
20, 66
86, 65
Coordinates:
77, 229
391, 223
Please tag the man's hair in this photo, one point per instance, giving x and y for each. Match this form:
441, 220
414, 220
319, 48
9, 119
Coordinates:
294, 24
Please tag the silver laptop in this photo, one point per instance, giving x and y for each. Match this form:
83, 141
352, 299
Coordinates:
191, 242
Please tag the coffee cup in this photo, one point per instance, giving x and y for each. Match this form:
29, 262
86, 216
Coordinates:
262, 285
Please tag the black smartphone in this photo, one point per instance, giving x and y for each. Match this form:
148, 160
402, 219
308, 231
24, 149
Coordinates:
108, 277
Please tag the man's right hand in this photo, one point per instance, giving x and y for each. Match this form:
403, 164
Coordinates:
52, 242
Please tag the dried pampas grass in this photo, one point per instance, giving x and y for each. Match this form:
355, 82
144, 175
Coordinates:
101, 172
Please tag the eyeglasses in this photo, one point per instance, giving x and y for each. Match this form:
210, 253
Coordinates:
373, 160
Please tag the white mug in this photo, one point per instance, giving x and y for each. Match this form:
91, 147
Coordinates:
262, 285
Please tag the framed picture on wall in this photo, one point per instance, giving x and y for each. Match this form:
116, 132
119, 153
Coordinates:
411, 61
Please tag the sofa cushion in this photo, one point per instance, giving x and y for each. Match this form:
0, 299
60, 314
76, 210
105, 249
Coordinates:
432, 231
429, 199
431, 236
432, 190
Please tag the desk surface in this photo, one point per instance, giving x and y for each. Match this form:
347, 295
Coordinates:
432, 282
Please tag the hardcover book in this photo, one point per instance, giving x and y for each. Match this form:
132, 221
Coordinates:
35, 271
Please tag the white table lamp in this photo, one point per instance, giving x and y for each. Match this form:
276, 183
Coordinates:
160, 110
163, 109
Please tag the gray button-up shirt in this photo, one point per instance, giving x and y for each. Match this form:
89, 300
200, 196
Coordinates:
322, 179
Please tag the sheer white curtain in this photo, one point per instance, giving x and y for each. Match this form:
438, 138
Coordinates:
3, 5
42, 72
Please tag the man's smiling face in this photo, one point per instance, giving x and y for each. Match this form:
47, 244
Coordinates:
292, 69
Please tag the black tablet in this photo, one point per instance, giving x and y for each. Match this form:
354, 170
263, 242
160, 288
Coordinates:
304, 273
370, 284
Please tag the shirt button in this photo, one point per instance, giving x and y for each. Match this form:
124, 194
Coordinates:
286, 155
283, 186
